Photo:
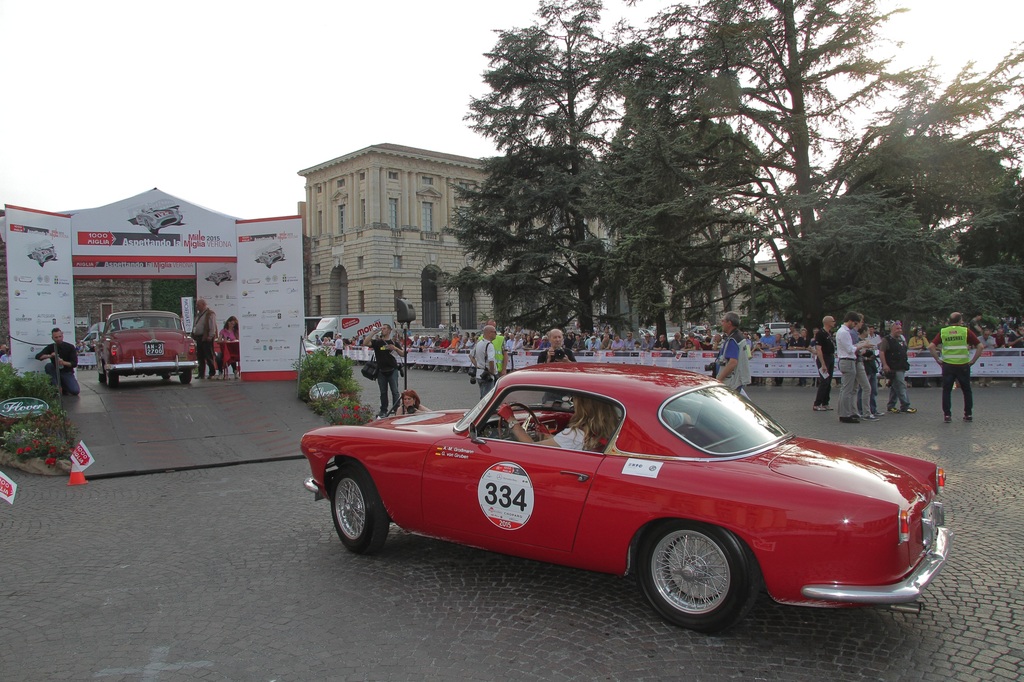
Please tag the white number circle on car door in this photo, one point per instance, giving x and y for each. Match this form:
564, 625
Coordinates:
505, 493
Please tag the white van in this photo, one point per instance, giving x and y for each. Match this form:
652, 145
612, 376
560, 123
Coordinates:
776, 328
346, 326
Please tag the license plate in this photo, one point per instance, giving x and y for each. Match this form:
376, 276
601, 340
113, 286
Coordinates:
154, 347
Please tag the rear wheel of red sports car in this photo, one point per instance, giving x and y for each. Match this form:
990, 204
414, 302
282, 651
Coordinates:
185, 376
698, 576
113, 379
359, 515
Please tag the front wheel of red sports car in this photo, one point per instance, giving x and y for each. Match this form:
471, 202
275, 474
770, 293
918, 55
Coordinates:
359, 515
698, 576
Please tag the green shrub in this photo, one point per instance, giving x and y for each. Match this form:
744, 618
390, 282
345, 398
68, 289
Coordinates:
321, 367
31, 384
46, 435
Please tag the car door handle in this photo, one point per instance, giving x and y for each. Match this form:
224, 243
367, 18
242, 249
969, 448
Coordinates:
582, 478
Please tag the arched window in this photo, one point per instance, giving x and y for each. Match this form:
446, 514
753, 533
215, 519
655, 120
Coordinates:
430, 305
339, 290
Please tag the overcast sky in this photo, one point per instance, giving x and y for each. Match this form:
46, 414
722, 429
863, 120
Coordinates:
221, 102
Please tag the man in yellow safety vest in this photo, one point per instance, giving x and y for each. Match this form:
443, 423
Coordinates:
956, 340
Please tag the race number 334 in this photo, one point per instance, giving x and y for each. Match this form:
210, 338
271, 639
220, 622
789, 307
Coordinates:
505, 493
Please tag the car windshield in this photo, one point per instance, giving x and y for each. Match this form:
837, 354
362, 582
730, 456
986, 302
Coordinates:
468, 418
716, 420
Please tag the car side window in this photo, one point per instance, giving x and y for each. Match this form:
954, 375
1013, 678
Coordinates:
546, 415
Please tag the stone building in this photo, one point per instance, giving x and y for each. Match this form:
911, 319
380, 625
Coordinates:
375, 224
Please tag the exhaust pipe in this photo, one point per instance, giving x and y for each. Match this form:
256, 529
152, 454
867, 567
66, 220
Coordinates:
910, 607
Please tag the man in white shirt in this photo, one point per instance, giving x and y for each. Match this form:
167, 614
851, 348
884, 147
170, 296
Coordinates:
848, 344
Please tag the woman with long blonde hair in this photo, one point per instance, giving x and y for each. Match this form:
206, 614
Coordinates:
591, 426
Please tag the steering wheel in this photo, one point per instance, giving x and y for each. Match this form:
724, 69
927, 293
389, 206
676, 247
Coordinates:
532, 422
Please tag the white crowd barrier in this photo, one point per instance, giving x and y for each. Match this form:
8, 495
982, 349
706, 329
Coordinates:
1001, 362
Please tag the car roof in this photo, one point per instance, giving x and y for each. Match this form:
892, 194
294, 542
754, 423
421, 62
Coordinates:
142, 313
632, 382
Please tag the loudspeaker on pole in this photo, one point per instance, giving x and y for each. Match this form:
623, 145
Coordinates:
404, 312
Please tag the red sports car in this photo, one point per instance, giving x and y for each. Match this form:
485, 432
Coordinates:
144, 342
696, 491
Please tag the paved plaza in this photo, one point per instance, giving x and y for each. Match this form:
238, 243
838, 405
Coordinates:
226, 569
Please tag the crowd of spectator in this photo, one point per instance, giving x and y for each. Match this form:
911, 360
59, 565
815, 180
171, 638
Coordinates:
1008, 333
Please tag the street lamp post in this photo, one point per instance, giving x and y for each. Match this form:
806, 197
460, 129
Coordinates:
448, 304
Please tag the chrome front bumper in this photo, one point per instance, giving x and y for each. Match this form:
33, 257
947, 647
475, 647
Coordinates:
902, 592
310, 485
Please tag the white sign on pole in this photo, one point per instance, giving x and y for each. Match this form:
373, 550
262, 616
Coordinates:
8, 488
81, 458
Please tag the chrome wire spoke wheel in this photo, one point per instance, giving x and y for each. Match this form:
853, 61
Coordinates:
690, 571
350, 508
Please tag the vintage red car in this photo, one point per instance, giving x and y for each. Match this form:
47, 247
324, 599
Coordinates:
144, 343
698, 492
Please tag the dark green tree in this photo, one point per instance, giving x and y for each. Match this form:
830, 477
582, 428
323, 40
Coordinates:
789, 80
527, 226
167, 293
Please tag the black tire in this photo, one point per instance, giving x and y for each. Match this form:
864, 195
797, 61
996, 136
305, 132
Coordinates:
165, 376
113, 379
102, 373
698, 576
186, 376
358, 512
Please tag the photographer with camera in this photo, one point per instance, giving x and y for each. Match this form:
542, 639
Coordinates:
732, 366
484, 369
557, 350
384, 350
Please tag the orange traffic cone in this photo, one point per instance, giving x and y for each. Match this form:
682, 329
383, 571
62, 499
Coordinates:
77, 478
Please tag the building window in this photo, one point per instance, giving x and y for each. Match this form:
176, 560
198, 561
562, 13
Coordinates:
427, 180
341, 218
316, 269
393, 213
362, 301
359, 262
318, 308
362, 175
319, 188
428, 216
397, 263
319, 222
392, 175
341, 182
362, 203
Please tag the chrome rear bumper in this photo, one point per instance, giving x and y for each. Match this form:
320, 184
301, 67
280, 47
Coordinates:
154, 367
904, 591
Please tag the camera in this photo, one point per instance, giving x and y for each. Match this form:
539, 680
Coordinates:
710, 367
559, 354
472, 375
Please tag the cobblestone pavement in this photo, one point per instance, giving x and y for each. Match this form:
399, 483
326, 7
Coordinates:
234, 573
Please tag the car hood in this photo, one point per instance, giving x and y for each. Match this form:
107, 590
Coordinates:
420, 419
841, 467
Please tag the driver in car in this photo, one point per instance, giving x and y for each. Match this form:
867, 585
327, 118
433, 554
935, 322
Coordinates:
592, 425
